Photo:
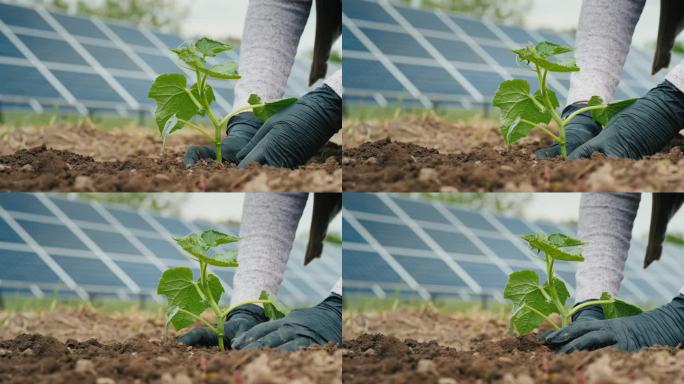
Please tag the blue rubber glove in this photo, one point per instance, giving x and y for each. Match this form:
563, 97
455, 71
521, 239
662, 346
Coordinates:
661, 326
241, 129
591, 312
579, 130
292, 136
241, 320
641, 129
300, 328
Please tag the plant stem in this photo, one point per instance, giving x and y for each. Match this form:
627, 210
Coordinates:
548, 319
540, 126
197, 128
194, 100
554, 295
232, 308
588, 303
224, 121
582, 110
541, 76
198, 318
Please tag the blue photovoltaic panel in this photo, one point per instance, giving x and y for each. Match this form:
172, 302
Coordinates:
393, 26
391, 255
80, 26
120, 254
22, 17
19, 265
123, 89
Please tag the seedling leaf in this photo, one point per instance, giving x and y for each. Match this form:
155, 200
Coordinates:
618, 308
542, 54
562, 240
209, 93
177, 285
268, 109
211, 48
222, 259
170, 93
193, 244
226, 71
516, 103
542, 243
213, 238
603, 116
190, 56
168, 126
523, 289
561, 289
273, 310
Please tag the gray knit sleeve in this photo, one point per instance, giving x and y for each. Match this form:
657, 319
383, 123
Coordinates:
338, 287
605, 224
269, 45
268, 227
604, 36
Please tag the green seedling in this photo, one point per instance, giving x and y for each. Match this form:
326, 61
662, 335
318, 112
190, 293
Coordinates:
533, 303
521, 111
189, 298
177, 103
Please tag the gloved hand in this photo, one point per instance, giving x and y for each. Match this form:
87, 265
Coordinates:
241, 128
242, 319
579, 130
292, 136
300, 328
641, 129
661, 326
591, 312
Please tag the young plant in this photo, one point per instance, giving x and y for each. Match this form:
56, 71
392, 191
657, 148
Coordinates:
177, 103
521, 111
189, 298
533, 303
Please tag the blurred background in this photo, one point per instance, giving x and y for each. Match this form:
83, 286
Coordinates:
110, 249
449, 56
455, 250
47, 76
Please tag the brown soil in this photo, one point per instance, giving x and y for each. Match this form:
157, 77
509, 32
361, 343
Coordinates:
140, 357
85, 158
452, 157
479, 350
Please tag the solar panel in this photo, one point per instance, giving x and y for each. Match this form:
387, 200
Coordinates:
53, 245
395, 54
50, 59
396, 245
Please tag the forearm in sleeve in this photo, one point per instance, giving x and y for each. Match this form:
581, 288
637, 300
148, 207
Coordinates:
676, 76
267, 231
338, 287
604, 36
605, 224
334, 81
269, 45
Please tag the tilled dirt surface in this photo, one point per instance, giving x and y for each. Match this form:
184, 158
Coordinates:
81, 157
428, 154
475, 348
73, 355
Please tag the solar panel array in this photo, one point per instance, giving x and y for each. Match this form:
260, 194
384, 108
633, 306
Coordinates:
52, 245
394, 245
86, 64
395, 54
